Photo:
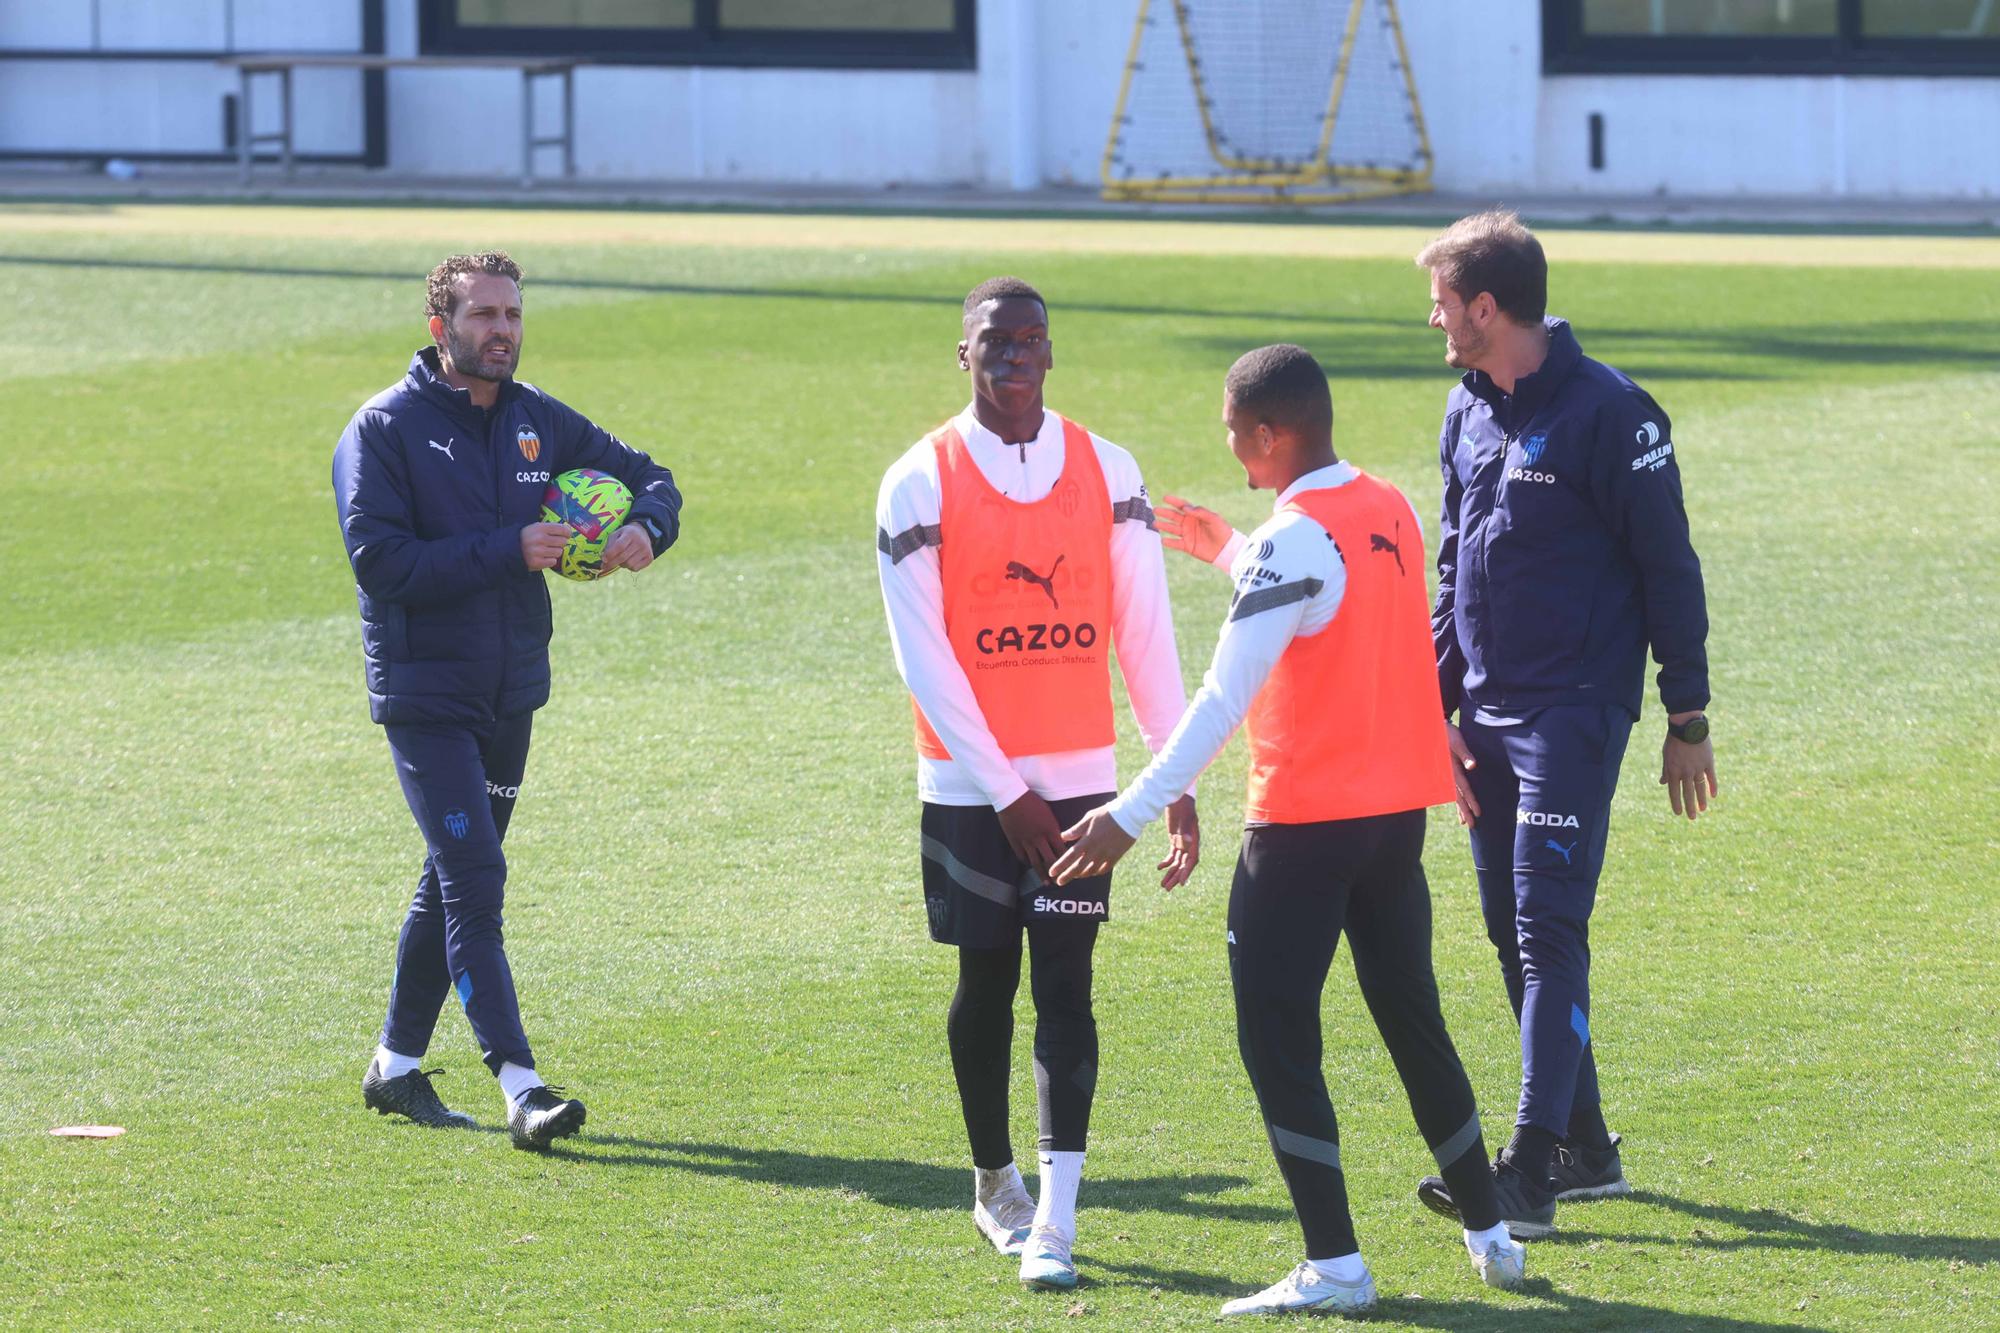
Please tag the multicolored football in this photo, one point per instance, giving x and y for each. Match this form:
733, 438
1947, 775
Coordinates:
595, 504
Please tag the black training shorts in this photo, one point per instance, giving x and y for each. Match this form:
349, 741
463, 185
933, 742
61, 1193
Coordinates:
979, 895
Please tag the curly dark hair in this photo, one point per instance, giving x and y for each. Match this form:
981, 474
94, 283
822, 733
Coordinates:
443, 293
1282, 385
1002, 289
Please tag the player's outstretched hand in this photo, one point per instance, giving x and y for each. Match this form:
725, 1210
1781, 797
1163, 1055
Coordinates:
1186, 526
1183, 844
542, 544
1688, 774
1461, 763
1095, 844
1033, 832
629, 548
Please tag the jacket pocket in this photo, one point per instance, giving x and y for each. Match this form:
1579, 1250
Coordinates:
385, 633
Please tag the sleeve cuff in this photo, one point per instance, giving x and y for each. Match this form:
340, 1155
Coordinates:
1124, 820
1006, 796
1226, 557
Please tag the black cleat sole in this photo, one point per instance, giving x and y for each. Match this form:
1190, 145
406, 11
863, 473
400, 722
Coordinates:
1615, 1189
561, 1125
1432, 1194
411, 1097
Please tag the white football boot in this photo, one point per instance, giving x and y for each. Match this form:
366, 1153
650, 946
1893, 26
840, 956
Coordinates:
1503, 1264
1001, 1208
1304, 1289
1045, 1260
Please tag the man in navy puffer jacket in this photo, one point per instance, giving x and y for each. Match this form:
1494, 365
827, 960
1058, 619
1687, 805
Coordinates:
1563, 555
439, 483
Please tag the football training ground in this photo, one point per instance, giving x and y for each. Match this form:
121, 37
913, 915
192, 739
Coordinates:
713, 911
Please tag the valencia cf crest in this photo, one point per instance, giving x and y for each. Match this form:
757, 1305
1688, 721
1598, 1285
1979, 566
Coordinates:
1069, 497
531, 443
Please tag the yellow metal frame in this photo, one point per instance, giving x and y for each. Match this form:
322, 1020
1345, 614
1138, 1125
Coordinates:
1251, 180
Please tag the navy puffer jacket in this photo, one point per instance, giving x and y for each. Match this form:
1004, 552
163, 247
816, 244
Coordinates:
433, 493
1564, 550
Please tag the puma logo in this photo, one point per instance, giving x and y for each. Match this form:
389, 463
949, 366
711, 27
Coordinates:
1555, 846
1017, 570
444, 448
1377, 542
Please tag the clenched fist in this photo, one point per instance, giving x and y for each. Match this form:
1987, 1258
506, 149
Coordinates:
542, 544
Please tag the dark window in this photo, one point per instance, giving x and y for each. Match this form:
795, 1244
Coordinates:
1771, 36
866, 34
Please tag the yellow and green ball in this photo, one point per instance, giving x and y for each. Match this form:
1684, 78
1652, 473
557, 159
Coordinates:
595, 504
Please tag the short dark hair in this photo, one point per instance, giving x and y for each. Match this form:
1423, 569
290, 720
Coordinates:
1493, 252
1002, 289
1283, 386
443, 293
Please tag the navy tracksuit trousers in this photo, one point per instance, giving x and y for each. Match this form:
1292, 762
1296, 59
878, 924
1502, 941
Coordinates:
1544, 780
1298, 888
461, 783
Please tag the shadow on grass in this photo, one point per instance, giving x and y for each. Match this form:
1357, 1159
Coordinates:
1744, 354
1350, 346
1573, 1312
1399, 354
1770, 1229
942, 299
902, 1184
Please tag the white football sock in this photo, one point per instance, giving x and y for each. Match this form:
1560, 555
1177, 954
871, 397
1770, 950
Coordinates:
1000, 1183
517, 1081
1477, 1241
392, 1065
1062, 1172
1346, 1268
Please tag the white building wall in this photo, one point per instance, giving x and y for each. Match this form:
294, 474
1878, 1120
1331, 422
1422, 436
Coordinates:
168, 106
1500, 127
1035, 112
1755, 136
714, 124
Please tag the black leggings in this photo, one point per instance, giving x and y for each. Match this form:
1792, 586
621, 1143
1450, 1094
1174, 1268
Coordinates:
1297, 887
980, 1027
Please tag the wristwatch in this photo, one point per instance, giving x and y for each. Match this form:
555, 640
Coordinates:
1691, 732
654, 532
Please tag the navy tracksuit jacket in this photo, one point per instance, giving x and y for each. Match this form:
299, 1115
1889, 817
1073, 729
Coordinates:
1563, 554
432, 494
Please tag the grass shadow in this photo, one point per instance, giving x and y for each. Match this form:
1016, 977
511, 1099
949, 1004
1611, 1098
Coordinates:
1768, 1228
1502, 1313
897, 1183
941, 299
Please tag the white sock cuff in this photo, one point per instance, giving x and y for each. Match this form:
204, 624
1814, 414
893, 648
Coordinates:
1345, 1268
393, 1065
517, 1081
1477, 1241
999, 1182
1062, 1173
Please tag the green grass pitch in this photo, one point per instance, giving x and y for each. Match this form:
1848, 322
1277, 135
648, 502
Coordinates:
713, 910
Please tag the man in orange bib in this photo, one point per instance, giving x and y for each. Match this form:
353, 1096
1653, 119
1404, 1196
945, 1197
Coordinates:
1014, 546
1327, 653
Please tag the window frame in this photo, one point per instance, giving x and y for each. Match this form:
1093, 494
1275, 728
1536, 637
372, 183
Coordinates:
1568, 49
706, 43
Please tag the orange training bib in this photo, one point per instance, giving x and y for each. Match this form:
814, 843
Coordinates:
1350, 724
1027, 600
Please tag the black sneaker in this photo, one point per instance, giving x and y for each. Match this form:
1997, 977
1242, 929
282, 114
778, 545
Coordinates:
540, 1117
410, 1095
1587, 1173
1530, 1213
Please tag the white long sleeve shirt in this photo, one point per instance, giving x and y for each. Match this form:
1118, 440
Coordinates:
1290, 579
907, 517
